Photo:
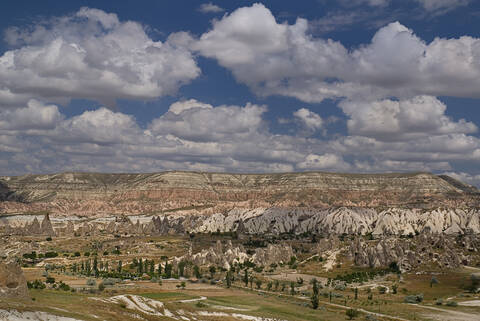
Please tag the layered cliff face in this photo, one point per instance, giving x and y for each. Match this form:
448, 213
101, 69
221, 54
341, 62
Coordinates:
93, 194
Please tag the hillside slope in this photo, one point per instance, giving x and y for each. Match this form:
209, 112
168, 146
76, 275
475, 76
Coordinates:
93, 193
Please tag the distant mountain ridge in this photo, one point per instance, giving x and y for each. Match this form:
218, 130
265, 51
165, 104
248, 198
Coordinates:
96, 193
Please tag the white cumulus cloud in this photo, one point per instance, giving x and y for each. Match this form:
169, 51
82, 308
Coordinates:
279, 58
210, 8
93, 55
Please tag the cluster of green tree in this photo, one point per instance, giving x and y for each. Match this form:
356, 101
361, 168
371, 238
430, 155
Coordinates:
37, 284
138, 268
33, 255
364, 276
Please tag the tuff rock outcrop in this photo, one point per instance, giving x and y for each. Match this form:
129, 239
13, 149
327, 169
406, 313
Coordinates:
225, 254
12, 281
357, 221
409, 253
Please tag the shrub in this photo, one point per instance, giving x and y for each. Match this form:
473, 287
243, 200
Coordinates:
101, 287
452, 303
109, 281
200, 304
394, 289
63, 286
439, 302
51, 254
37, 284
417, 298
351, 313
382, 289
91, 282
31, 256
49, 239
50, 280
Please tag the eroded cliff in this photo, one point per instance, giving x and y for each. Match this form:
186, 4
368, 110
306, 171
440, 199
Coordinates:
92, 194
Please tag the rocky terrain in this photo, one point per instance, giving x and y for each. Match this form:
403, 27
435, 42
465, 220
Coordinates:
272, 221
12, 281
445, 252
89, 194
225, 254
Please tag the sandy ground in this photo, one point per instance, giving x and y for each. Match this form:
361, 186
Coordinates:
293, 276
14, 315
158, 309
449, 315
473, 303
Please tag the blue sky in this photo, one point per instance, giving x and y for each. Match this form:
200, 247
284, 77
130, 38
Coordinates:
240, 86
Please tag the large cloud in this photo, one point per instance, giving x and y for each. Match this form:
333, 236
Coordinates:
93, 55
193, 135
278, 58
200, 123
407, 119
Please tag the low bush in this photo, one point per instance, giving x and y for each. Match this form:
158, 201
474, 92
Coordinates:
451, 303
416, 298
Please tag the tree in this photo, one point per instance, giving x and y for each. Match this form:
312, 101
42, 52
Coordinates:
356, 293
88, 268
292, 288
212, 270
245, 278
269, 285
314, 298
394, 288
119, 268
475, 279
228, 279
183, 285
152, 267
196, 271
95, 265
181, 268
168, 271
433, 281
140, 267
251, 281
258, 283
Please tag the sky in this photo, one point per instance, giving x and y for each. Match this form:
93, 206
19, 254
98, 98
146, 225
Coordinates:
364, 86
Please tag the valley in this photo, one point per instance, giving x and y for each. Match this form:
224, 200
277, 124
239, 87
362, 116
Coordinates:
201, 246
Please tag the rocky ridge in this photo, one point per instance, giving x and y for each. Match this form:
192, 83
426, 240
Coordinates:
274, 221
88, 194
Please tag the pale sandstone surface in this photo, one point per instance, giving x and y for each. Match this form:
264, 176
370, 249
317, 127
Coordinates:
12, 281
